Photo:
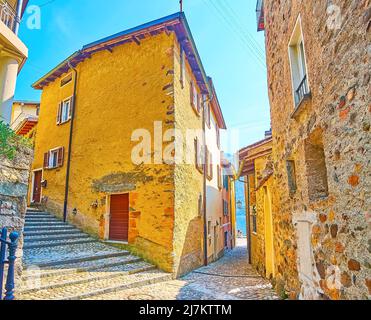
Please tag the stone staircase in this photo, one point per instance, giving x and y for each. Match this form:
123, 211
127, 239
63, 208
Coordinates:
63, 263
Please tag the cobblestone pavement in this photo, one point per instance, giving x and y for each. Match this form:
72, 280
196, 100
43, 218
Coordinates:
230, 278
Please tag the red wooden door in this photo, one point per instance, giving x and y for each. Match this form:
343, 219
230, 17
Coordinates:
119, 217
36, 192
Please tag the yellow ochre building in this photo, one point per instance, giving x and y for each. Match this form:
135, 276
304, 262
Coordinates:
149, 78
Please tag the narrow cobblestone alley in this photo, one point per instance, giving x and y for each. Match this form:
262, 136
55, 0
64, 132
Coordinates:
230, 278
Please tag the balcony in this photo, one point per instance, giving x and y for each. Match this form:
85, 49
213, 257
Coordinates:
302, 92
8, 15
260, 15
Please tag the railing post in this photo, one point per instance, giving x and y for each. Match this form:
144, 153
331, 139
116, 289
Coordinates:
9, 287
3, 237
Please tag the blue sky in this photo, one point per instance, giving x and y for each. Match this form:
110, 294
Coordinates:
231, 49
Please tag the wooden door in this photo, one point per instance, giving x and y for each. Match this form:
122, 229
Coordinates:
119, 217
36, 192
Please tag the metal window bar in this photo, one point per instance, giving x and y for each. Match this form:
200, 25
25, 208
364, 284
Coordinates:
302, 91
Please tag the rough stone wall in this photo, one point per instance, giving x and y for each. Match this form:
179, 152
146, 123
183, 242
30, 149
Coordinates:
13, 191
117, 93
188, 224
339, 79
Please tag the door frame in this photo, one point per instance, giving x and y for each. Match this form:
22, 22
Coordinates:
108, 217
33, 184
268, 218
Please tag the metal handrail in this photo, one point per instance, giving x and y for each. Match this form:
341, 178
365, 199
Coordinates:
302, 91
12, 247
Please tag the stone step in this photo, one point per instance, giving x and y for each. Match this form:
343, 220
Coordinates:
40, 237
46, 223
61, 232
49, 228
76, 267
33, 218
51, 257
34, 210
97, 287
63, 280
57, 243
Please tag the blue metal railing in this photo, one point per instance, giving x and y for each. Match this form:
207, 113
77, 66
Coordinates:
302, 91
12, 247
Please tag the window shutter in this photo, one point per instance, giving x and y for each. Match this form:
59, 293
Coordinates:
46, 160
60, 156
59, 113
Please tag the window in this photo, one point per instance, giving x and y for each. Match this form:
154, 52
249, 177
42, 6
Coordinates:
64, 111
208, 227
254, 220
209, 164
54, 158
194, 96
217, 136
226, 182
198, 156
315, 163
291, 176
225, 208
207, 114
66, 80
220, 183
299, 76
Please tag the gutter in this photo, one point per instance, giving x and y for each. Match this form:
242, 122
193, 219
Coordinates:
204, 185
65, 204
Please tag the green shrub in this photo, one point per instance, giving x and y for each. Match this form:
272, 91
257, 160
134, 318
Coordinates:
9, 141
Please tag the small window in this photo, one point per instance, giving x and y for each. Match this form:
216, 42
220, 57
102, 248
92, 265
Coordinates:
209, 227
64, 111
254, 220
315, 163
207, 114
220, 183
209, 164
225, 208
194, 96
291, 176
66, 79
217, 136
225, 182
198, 156
54, 158
299, 76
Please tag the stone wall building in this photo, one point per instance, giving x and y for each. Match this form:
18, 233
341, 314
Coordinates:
14, 174
318, 57
131, 169
257, 171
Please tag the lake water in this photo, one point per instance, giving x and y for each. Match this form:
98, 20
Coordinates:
240, 212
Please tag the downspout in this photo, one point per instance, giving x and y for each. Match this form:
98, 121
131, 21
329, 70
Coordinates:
65, 205
204, 182
247, 188
19, 16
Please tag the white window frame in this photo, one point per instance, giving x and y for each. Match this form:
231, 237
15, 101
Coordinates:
298, 60
65, 111
51, 157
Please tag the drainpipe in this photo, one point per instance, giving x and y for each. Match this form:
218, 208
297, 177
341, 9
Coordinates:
65, 205
18, 17
204, 182
247, 196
